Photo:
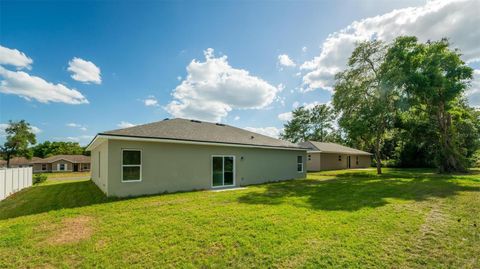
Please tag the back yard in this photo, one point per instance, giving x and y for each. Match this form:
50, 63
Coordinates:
404, 218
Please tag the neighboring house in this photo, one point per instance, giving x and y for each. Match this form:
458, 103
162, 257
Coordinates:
16, 162
180, 155
62, 163
331, 156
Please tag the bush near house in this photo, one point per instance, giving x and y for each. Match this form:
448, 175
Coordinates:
411, 218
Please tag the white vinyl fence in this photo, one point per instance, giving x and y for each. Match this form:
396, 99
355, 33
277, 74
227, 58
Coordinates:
13, 180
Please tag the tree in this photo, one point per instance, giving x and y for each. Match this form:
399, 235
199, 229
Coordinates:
297, 129
433, 78
19, 137
363, 98
321, 122
311, 124
47, 149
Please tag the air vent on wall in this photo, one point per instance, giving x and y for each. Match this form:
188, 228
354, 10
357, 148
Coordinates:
220, 124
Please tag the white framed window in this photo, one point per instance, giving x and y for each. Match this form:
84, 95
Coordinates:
61, 167
300, 164
44, 167
131, 165
356, 160
223, 171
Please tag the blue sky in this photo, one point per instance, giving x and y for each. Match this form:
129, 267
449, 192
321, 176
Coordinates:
76, 68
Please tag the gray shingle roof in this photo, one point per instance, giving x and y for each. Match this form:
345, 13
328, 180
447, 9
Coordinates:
70, 158
196, 131
332, 148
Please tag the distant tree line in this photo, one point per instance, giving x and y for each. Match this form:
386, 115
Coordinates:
403, 101
20, 141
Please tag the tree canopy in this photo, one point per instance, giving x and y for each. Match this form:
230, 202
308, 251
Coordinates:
19, 136
47, 149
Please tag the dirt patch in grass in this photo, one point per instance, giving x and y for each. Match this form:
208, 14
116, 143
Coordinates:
72, 230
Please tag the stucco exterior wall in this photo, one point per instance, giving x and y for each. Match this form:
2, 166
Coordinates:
330, 161
313, 161
168, 167
68, 166
99, 166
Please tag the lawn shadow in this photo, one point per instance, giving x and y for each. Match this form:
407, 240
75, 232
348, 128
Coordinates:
353, 191
52, 196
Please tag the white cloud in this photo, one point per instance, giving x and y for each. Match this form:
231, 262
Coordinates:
296, 104
151, 101
76, 125
82, 139
284, 60
473, 94
456, 19
32, 87
14, 57
304, 49
213, 88
179, 78
125, 124
84, 71
237, 118
4, 126
285, 116
268, 131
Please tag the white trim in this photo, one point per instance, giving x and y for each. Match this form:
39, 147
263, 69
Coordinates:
337, 152
131, 165
223, 171
300, 163
161, 140
64, 167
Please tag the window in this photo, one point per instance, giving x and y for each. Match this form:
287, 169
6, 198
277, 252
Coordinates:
223, 171
339, 158
299, 164
85, 167
131, 165
61, 167
44, 166
356, 160
309, 157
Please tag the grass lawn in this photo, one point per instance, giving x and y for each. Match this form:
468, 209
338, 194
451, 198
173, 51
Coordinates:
347, 219
65, 175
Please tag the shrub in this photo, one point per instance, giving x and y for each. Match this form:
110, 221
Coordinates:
39, 178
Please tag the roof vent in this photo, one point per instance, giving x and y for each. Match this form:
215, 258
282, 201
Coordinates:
197, 121
219, 124
165, 119
252, 137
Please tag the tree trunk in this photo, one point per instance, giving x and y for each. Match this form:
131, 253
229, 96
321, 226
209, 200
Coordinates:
377, 156
8, 160
448, 157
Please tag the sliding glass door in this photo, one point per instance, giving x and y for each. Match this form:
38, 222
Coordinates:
223, 171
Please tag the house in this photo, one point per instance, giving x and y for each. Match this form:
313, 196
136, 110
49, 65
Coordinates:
331, 156
62, 163
181, 155
16, 162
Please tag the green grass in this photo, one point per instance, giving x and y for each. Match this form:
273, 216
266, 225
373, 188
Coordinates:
65, 175
344, 219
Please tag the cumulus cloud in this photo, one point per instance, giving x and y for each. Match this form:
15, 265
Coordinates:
456, 19
268, 131
125, 124
14, 57
32, 87
151, 101
285, 116
4, 126
84, 71
284, 60
213, 88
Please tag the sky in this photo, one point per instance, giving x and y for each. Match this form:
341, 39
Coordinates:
73, 69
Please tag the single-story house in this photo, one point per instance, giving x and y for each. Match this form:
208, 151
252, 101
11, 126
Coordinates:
62, 163
181, 155
17, 162
331, 156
